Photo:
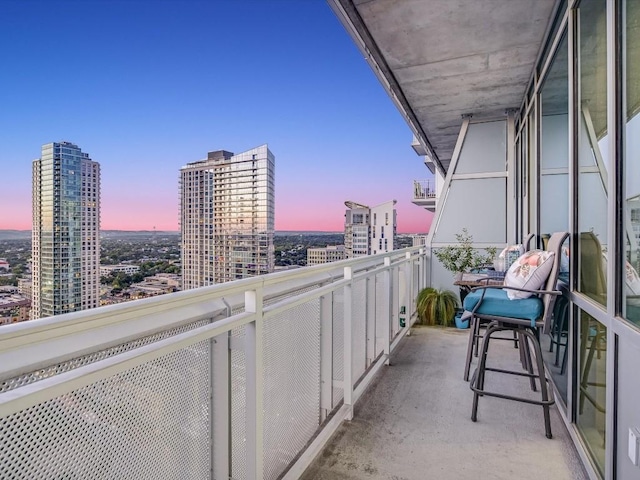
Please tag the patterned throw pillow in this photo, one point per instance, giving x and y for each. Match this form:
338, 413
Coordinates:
529, 271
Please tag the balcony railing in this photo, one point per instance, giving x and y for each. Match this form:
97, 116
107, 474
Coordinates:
424, 194
424, 189
246, 379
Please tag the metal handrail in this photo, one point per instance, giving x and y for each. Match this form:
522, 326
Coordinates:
31, 347
423, 189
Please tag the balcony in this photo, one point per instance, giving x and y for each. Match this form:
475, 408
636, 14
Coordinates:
424, 194
250, 379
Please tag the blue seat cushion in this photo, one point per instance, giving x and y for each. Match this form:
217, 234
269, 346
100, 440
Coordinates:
496, 303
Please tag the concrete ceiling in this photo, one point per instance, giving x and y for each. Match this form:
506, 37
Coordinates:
447, 58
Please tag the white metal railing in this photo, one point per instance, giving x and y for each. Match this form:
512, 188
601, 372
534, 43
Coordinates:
424, 189
246, 379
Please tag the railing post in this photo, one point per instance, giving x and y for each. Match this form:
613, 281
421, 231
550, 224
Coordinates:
326, 355
220, 401
386, 275
347, 382
255, 387
421, 269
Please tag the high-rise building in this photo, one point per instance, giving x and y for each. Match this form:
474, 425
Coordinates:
330, 253
227, 217
66, 231
369, 230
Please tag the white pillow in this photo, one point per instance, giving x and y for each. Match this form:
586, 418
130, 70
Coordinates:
529, 271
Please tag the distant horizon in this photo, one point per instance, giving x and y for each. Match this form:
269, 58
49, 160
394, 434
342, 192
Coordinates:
178, 231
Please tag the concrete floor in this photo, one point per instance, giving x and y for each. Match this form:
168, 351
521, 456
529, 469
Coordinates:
414, 422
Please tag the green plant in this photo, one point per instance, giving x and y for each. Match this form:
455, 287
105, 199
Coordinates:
463, 257
435, 306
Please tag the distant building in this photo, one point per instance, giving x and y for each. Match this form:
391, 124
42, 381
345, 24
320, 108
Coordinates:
317, 256
14, 307
227, 217
419, 240
66, 231
4, 265
369, 230
106, 270
25, 286
158, 284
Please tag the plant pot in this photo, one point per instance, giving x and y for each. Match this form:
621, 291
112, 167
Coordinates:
461, 324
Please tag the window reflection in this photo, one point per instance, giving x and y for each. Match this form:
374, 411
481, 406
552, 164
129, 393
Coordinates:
630, 281
592, 387
593, 149
554, 200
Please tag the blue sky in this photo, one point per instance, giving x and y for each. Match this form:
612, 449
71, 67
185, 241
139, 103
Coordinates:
147, 86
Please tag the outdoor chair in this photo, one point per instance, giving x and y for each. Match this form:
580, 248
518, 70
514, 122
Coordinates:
476, 324
524, 316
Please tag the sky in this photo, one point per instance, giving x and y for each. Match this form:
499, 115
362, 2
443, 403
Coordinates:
147, 86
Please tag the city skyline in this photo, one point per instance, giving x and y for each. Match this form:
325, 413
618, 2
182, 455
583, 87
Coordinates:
164, 90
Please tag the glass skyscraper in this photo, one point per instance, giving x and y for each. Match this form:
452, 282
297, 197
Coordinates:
227, 217
66, 231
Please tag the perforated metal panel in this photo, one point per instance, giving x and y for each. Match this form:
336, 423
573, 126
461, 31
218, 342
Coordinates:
338, 345
69, 365
149, 422
382, 313
292, 293
238, 411
291, 384
395, 281
359, 352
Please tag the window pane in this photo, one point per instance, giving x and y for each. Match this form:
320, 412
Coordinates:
631, 281
592, 387
554, 146
554, 199
593, 150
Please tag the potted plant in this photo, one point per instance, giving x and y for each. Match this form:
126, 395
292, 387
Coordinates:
462, 258
436, 307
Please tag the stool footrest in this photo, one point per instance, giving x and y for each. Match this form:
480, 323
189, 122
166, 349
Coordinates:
513, 372
482, 392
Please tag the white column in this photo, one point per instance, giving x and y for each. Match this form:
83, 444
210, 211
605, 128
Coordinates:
255, 387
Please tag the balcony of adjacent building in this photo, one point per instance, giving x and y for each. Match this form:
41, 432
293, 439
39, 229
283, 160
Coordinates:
256, 378
424, 194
